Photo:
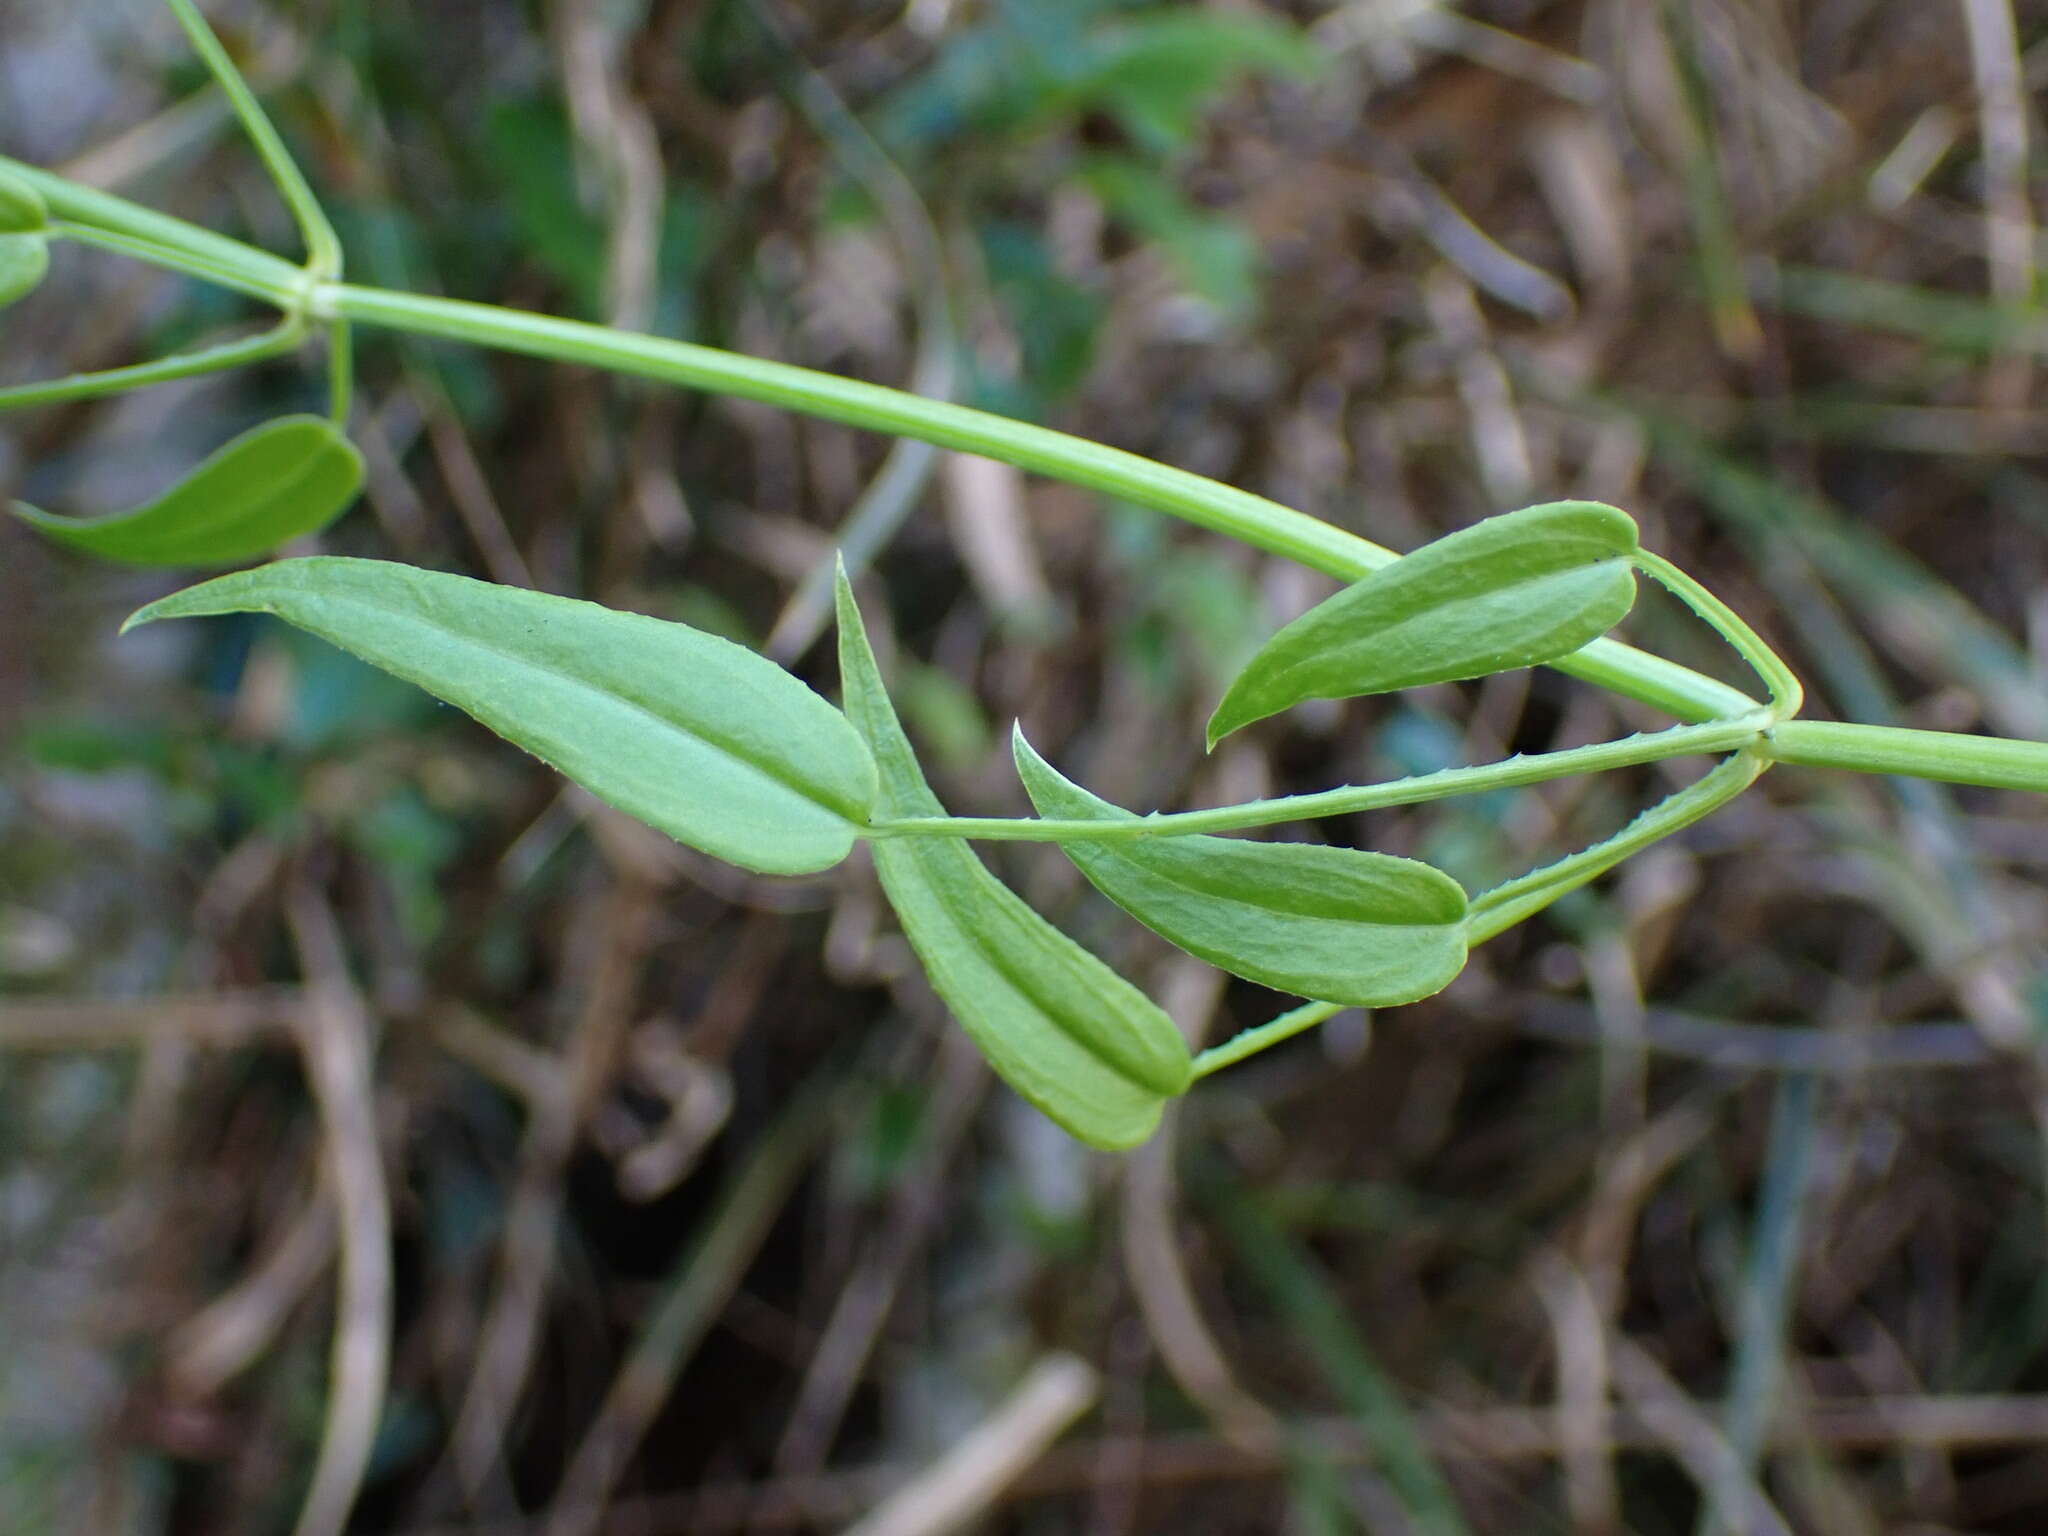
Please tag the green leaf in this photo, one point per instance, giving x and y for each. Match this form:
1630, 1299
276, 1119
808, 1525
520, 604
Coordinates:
23, 261
1215, 256
1062, 1028
22, 209
703, 739
1160, 73
285, 478
1516, 590
1335, 924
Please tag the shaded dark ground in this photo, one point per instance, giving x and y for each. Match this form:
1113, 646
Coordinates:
1719, 1187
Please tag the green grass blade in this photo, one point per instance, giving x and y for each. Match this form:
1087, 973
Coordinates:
1763, 1313
1332, 1340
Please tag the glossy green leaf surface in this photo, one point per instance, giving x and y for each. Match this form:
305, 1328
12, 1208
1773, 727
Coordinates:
703, 739
286, 478
23, 261
1335, 924
1060, 1027
1516, 590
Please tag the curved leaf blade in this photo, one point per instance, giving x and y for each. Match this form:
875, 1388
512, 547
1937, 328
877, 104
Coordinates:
24, 259
286, 478
1092, 1052
1335, 924
703, 739
1513, 591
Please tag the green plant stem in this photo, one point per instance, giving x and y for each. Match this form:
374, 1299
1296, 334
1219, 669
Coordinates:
341, 374
1506, 905
1785, 690
275, 342
1996, 762
280, 282
1207, 504
1254, 520
203, 266
1509, 773
323, 246
1249, 1042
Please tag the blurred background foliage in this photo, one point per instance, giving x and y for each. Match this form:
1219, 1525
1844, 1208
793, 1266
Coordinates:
1711, 1200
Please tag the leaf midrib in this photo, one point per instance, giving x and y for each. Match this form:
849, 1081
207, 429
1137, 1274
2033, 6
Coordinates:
1020, 979
719, 742
1090, 807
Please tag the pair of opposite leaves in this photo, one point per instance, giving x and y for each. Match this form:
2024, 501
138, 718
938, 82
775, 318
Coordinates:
288, 477
724, 751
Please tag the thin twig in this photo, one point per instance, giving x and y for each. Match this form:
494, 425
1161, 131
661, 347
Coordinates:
1741, 1047
215, 1345
335, 1036
2008, 213
900, 483
686, 1310
558, 1106
1592, 1493
967, 1479
220, 1020
1153, 1259
1487, 1436
1696, 1443
865, 1301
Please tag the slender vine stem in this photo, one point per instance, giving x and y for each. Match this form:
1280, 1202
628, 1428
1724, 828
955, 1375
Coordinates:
323, 246
341, 373
1786, 692
1506, 905
1253, 520
1206, 503
203, 265
280, 339
1996, 762
1249, 1042
1509, 773
279, 281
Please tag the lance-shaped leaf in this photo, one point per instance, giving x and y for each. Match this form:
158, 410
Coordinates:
1063, 1029
1513, 591
1335, 924
275, 482
711, 743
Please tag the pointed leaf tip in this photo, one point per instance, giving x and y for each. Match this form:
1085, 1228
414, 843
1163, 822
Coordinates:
1335, 924
1066, 1032
1516, 590
277, 482
694, 735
